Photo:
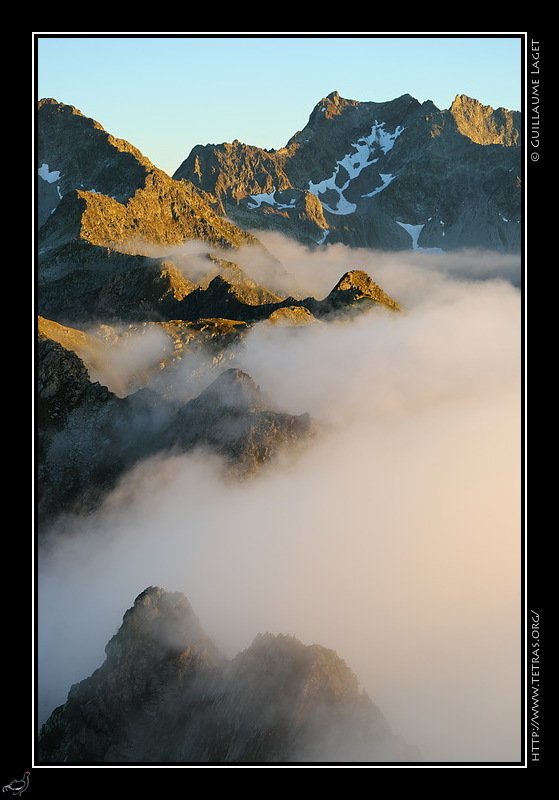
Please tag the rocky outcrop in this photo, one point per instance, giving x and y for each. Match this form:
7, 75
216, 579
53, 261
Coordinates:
165, 695
227, 171
74, 152
210, 338
393, 175
159, 652
485, 125
354, 293
160, 212
233, 418
97, 189
292, 316
250, 183
89, 437
93, 352
63, 382
358, 285
296, 213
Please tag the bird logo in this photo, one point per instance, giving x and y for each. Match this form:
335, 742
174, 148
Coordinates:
17, 787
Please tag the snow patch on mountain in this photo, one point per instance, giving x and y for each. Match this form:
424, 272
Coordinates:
359, 157
386, 179
50, 176
46, 174
415, 231
270, 199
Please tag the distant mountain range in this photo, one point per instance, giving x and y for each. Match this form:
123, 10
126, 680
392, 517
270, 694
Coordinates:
393, 175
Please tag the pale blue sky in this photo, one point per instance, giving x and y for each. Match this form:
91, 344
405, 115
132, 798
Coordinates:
166, 93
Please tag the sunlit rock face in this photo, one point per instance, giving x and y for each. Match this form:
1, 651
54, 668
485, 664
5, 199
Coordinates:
394, 175
485, 125
165, 694
105, 214
103, 191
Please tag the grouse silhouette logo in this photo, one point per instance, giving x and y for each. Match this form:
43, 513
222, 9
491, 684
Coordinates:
17, 787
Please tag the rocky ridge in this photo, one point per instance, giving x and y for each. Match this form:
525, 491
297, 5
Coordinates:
99, 414
102, 190
165, 695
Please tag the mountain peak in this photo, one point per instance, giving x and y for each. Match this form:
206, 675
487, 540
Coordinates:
333, 104
358, 285
50, 106
50, 101
484, 124
234, 389
160, 622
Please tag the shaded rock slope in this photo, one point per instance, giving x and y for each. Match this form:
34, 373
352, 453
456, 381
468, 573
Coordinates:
89, 437
165, 695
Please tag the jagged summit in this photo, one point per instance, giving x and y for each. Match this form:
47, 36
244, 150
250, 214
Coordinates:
166, 695
236, 420
160, 625
50, 101
485, 125
234, 390
334, 105
334, 97
74, 152
331, 105
358, 285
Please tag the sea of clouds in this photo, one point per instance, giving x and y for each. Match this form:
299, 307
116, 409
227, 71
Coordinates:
392, 537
